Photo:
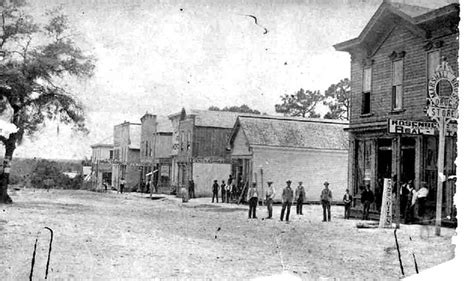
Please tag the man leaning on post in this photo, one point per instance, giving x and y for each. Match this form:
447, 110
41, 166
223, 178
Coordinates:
326, 198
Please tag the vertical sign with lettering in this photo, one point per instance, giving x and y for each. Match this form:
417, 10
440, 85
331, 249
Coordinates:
386, 211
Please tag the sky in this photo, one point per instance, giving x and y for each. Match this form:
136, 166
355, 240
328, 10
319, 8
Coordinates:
160, 56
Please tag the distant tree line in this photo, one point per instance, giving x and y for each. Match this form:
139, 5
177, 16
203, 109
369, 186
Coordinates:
303, 103
47, 174
243, 108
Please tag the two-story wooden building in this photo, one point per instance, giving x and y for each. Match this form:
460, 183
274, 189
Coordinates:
199, 148
155, 149
126, 154
391, 62
102, 155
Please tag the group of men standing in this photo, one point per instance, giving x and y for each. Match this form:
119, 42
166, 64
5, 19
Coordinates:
410, 199
288, 197
229, 191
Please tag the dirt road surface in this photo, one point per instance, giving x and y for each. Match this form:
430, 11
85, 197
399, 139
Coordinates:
118, 236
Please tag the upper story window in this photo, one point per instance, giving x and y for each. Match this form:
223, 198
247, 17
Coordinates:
433, 62
397, 84
111, 154
188, 146
366, 89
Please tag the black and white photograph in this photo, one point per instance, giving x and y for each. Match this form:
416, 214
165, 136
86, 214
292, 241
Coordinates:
234, 140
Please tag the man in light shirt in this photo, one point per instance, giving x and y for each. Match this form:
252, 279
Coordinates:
269, 195
421, 195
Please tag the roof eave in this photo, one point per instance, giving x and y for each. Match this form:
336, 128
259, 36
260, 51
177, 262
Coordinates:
348, 45
443, 11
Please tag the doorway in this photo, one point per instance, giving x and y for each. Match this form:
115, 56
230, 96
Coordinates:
407, 161
384, 168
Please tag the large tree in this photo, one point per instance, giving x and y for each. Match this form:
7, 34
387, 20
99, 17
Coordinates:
302, 103
243, 108
337, 99
35, 59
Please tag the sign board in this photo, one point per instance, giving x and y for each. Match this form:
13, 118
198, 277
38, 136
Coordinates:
418, 127
386, 211
443, 106
165, 171
367, 175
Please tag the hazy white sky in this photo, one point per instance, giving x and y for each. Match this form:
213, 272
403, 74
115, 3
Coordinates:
159, 56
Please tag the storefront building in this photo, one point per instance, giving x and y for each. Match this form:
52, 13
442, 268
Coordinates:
275, 148
200, 138
390, 134
155, 151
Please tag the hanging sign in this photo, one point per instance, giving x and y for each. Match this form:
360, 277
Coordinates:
446, 105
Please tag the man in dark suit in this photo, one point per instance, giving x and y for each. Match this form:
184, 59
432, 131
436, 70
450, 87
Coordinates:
286, 201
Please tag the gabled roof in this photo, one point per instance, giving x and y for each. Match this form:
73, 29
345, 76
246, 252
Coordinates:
391, 14
216, 119
292, 132
210, 118
102, 145
163, 125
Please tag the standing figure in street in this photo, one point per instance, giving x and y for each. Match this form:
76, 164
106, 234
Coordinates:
228, 188
347, 199
151, 186
421, 198
326, 198
287, 200
215, 190
367, 198
223, 191
409, 208
191, 189
404, 190
300, 195
269, 195
252, 197
122, 184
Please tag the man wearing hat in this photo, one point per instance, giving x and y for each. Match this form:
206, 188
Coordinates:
269, 195
300, 195
326, 198
215, 190
287, 199
252, 197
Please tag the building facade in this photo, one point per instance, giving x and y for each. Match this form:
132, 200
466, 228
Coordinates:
200, 138
147, 134
390, 134
126, 154
155, 150
277, 149
101, 160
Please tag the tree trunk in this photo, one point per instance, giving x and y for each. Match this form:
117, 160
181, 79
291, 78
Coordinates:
5, 171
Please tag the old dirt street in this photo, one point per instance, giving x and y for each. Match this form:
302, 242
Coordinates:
109, 236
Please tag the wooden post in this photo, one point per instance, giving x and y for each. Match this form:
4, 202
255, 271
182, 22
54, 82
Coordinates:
439, 190
396, 147
261, 181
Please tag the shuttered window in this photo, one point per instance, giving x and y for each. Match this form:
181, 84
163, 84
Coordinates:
367, 85
433, 62
366, 88
397, 84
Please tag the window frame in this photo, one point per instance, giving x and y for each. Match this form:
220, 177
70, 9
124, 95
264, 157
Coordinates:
366, 93
397, 87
